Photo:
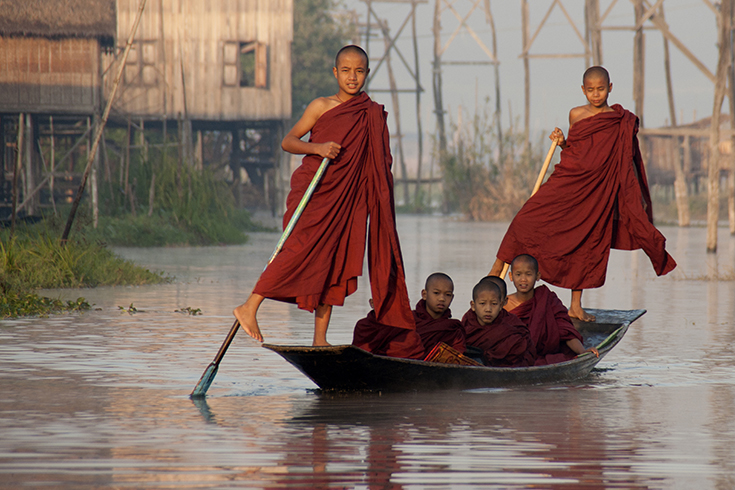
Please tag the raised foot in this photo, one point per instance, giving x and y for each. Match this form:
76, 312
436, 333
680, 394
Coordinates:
248, 322
579, 313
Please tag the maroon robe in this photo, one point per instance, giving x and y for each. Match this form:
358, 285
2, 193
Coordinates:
434, 330
596, 198
384, 340
321, 260
548, 321
506, 342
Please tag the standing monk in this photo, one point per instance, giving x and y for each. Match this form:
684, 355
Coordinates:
597, 198
321, 260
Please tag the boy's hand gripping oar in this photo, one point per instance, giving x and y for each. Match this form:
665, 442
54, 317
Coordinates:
205, 381
539, 181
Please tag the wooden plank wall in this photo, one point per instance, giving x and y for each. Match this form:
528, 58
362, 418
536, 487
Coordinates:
41, 75
182, 37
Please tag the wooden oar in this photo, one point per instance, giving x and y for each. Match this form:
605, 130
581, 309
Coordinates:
539, 181
200, 390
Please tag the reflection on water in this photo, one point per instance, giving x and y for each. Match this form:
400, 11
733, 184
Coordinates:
101, 400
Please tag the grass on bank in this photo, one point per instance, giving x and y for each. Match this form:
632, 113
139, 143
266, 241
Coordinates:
30, 261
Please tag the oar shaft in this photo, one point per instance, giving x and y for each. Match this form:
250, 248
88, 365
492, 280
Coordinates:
205, 381
539, 181
300, 208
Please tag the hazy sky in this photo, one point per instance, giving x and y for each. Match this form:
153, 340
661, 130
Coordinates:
555, 83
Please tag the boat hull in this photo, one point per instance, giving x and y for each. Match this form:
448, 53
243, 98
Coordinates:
349, 368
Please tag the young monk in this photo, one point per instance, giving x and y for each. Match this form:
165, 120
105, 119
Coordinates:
596, 198
434, 322
384, 340
503, 338
321, 260
552, 331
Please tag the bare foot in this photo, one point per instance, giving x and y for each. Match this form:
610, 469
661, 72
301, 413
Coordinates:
579, 313
245, 314
319, 343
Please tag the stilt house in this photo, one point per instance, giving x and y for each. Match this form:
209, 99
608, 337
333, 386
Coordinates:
50, 65
217, 65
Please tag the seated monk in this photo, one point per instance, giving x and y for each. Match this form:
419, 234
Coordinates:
503, 338
552, 331
434, 322
385, 340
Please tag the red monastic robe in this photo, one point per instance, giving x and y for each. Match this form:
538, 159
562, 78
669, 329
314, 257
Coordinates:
596, 198
550, 326
384, 340
321, 260
443, 329
506, 342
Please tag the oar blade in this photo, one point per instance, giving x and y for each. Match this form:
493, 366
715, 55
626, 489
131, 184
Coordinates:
200, 390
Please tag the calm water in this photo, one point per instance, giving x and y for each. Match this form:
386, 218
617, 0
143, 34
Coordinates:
100, 400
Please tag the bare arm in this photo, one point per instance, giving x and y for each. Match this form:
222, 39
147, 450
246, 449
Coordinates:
293, 143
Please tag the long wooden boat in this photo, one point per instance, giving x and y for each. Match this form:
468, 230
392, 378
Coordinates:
349, 368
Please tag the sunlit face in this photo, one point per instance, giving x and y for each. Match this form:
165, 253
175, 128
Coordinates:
596, 89
487, 306
523, 276
438, 296
351, 72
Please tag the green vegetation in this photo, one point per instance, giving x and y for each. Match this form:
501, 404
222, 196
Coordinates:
484, 179
34, 260
167, 202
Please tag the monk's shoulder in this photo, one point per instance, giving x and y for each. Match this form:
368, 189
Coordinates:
319, 106
512, 303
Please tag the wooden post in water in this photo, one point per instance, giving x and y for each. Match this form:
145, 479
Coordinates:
16, 170
639, 50
713, 172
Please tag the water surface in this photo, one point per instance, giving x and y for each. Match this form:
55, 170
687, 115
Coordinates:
100, 399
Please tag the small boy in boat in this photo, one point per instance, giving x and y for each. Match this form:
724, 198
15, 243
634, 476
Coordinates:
384, 340
320, 262
552, 331
503, 338
434, 322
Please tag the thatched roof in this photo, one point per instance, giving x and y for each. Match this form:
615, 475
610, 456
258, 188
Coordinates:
58, 18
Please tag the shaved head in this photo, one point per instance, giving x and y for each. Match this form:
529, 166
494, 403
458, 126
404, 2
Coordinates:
352, 48
596, 72
438, 276
525, 259
486, 284
498, 282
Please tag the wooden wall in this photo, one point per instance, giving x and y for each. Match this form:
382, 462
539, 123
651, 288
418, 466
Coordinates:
41, 75
185, 54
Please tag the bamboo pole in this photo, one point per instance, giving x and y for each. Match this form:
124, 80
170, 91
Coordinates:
396, 111
713, 172
105, 115
639, 61
417, 194
52, 164
16, 171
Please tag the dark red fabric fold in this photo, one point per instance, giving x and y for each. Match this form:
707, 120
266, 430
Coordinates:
596, 198
434, 330
548, 321
506, 342
323, 257
384, 340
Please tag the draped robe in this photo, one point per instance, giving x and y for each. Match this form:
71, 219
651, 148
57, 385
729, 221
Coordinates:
321, 260
384, 340
550, 326
434, 330
596, 198
506, 342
